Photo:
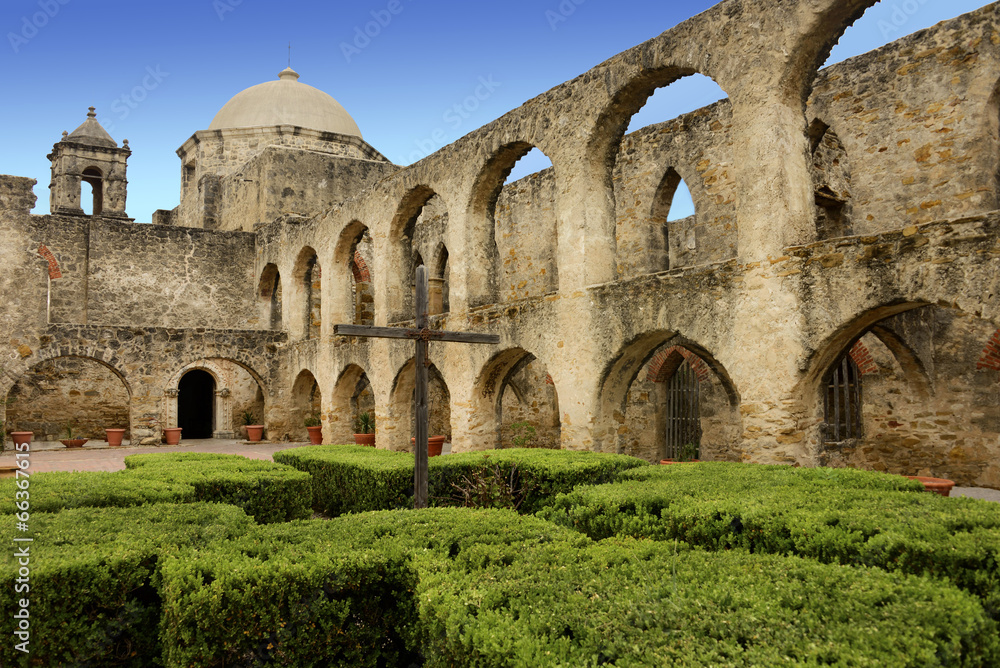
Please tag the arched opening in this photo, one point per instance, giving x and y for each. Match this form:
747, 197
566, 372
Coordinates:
420, 226
353, 292
307, 402
831, 177
513, 214
308, 285
92, 176
517, 392
78, 392
664, 397
438, 405
196, 404
438, 289
269, 292
675, 99
673, 233
352, 396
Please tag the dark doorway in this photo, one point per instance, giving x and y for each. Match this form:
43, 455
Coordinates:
196, 404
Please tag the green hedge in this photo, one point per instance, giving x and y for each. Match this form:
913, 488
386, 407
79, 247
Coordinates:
93, 580
498, 589
56, 490
268, 492
351, 479
833, 517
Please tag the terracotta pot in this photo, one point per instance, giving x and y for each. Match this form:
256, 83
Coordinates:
115, 437
172, 435
74, 442
434, 444
9, 470
255, 432
315, 435
937, 485
365, 439
674, 461
21, 437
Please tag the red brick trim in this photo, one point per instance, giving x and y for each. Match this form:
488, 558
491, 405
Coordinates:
665, 362
990, 358
863, 359
360, 269
47, 255
548, 380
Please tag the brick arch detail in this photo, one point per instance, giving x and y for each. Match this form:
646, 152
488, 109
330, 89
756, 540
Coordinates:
863, 359
990, 358
360, 268
660, 371
54, 271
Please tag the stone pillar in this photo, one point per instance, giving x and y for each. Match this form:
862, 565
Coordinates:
435, 294
223, 414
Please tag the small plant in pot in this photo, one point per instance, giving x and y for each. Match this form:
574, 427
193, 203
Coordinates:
72, 441
255, 432
522, 435
314, 425
364, 428
689, 453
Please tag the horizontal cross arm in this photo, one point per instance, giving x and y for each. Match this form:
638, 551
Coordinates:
404, 333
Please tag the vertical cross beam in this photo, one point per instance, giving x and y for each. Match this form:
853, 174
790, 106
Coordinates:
420, 396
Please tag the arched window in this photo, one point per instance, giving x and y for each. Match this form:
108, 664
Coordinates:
438, 284
93, 176
842, 402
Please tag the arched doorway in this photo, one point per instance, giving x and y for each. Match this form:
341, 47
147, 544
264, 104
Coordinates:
196, 404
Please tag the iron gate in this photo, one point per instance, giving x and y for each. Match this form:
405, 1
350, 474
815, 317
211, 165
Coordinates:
842, 409
683, 414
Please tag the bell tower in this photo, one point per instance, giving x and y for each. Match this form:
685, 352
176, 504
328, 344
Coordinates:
89, 155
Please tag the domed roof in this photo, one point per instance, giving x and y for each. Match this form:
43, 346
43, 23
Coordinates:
285, 102
92, 133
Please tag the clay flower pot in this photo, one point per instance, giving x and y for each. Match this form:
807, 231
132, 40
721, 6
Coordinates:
74, 442
21, 437
434, 444
172, 435
115, 437
315, 435
255, 432
365, 439
940, 486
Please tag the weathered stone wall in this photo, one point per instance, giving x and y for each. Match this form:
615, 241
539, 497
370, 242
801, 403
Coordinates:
68, 391
526, 237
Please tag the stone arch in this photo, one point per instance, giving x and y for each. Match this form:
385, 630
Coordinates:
269, 296
400, 409
352, 394
439, 282
307, 311
515, 387
233, 393
661, 247
78, 406
404, 244
484, 271
353, 291
659, 353
94, 177
307, 401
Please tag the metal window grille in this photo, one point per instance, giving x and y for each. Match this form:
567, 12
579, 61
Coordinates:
683, 414
842, 410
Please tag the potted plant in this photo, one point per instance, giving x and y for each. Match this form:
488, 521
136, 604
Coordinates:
255, 432
315, 428
21, 437
172, 435
114, 435
689, 453
940, 486
71, 442
364, 427
6, 470
434, 444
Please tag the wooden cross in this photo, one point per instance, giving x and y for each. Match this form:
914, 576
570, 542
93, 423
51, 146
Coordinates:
422, 335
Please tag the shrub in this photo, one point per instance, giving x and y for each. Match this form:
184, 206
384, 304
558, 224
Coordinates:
268, 492
348, 478
849, 518
93, 583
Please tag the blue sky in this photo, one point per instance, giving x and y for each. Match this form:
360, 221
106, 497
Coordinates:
158, 72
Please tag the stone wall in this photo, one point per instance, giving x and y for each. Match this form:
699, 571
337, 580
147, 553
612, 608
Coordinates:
526, 237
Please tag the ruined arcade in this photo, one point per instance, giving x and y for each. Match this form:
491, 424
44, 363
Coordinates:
833, 301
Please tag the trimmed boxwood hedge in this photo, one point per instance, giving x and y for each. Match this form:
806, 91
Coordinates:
853, 518
351, 479
268, 492
498, 589
93, 579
